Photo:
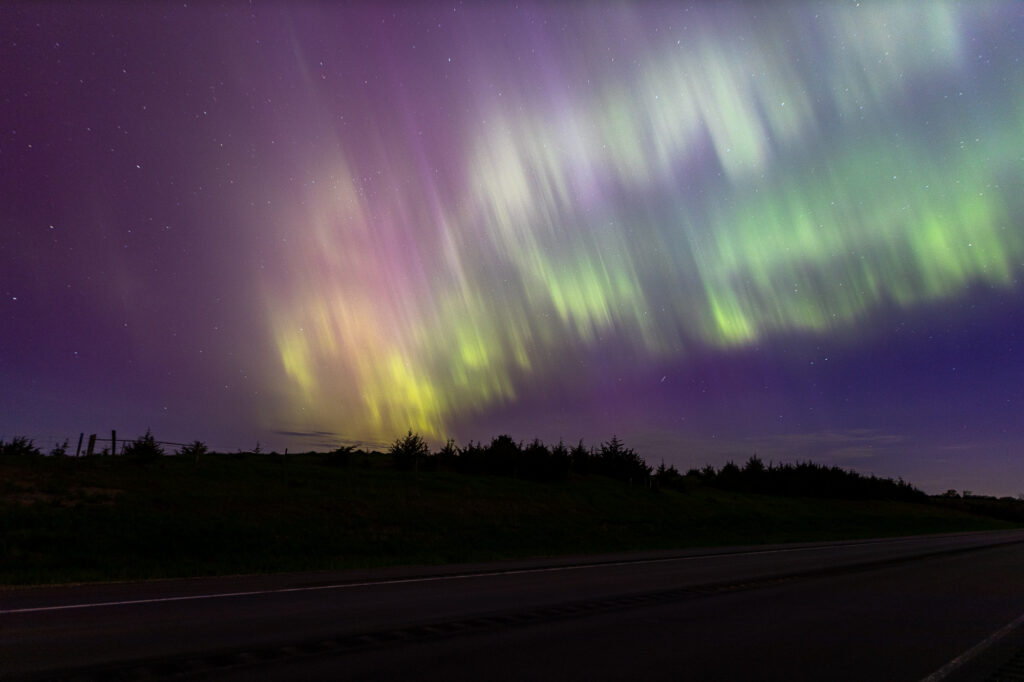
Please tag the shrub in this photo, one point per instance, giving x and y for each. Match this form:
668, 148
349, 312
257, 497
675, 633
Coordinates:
60, 450
340, 456
19, 446
144, 449
195, 450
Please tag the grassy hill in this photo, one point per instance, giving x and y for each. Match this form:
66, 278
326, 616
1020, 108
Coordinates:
110, 518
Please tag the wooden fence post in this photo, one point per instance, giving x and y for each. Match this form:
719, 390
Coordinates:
113, 442
78, 450
92, 444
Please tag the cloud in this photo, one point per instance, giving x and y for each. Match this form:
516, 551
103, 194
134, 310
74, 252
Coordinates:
306, 434
328, 440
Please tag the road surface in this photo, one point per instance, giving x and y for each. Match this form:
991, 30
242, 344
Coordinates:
892, 609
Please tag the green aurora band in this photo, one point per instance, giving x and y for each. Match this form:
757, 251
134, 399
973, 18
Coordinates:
762, 178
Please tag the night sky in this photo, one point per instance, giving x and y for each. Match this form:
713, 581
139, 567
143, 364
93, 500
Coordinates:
714, 230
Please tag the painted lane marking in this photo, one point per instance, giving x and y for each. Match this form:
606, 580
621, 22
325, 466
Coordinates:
975, 651
395, 581
441, 578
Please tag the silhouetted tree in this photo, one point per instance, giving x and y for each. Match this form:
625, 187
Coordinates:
503, 456
669, 478
144, 449
19, 446
1006, 508
729, 476
195, 450
807, 479
410, 451
580, 458
533, 462
753, 477
340, 456
448, 454
559, 466
614, 459
472, 459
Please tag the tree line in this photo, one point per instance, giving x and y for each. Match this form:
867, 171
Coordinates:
804, 479
537, 461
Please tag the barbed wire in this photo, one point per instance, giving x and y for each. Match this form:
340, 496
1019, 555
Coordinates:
47, 443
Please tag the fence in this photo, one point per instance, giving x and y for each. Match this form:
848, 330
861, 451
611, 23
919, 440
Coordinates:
87, 445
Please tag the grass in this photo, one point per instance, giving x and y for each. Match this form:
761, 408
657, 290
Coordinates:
109, 518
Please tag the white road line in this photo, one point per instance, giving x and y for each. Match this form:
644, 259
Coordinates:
975, 651
439, 578
396, 581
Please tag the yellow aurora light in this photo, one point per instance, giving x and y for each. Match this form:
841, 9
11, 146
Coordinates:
727, 190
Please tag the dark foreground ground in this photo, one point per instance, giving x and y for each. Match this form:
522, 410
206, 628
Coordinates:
109, 518
897, 609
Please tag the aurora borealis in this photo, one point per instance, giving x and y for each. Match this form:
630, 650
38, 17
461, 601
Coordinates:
713, 229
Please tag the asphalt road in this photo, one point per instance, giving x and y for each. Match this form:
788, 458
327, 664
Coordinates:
895, 609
